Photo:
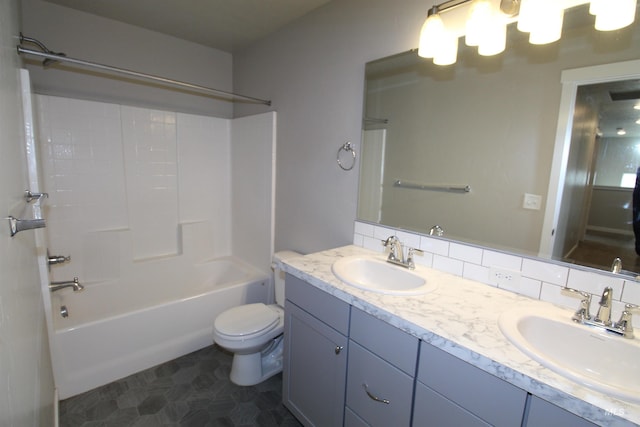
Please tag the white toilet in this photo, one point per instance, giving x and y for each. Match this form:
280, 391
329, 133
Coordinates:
253, 332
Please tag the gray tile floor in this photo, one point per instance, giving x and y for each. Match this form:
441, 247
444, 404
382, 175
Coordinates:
191, 391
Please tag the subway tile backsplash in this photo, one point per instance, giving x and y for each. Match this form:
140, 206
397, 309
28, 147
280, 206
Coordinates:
532, 277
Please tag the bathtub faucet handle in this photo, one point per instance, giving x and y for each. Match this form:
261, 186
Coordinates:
57, 259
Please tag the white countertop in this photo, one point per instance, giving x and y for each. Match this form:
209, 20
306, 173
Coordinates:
461, 317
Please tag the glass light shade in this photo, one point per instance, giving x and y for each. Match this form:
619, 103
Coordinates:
526, 15
596, 6
615, 15
478, 22
494, 40
447, 50
430, 34
547, 27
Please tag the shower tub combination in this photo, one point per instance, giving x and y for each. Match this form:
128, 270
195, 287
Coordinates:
115, 329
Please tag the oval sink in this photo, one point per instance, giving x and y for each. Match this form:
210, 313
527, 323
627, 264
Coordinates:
587, 355
376, 275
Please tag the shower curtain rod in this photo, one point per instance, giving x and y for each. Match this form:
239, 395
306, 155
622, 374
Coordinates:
49, 55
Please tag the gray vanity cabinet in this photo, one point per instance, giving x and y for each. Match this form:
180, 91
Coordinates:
315, 354
545, 414
382, 363
451, 392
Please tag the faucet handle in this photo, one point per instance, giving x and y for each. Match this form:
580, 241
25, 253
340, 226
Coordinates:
625, 325
410, 252
582, 313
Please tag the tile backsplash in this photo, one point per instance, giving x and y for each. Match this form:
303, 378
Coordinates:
535, 278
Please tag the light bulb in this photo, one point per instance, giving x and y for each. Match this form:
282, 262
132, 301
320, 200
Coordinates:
447, 49
494, 40
430, 34
615, 15
478, 22
546, 25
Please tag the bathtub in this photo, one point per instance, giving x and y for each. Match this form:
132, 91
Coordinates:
117, 328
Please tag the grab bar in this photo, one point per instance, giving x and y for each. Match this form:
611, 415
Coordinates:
433, 187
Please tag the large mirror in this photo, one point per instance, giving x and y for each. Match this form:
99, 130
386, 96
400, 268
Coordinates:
470, 147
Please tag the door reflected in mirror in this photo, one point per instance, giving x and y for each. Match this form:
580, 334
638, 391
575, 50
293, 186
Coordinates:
490, 123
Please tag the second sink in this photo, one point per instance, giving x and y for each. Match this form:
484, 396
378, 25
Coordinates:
594, 358
376, 275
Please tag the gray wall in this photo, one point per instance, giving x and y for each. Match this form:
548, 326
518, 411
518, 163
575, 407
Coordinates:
26, 380
92, 38
313, 70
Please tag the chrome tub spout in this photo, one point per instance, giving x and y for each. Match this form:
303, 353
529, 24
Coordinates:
75, 284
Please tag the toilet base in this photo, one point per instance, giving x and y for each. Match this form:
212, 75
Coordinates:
252, 369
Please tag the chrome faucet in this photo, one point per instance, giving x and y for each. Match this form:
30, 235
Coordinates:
75, 284
616, 266
602, 320
604, 312
395, 246
396, 254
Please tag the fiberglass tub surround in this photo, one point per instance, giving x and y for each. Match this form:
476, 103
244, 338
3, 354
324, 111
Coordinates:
143, 200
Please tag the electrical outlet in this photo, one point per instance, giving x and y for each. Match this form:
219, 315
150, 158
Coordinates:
503, 278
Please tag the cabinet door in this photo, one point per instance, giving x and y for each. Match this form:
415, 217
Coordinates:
315, 366
545, 414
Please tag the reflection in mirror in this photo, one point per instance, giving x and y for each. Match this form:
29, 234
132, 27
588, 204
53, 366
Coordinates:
490, 123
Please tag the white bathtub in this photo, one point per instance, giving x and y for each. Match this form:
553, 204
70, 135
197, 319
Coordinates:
118, 328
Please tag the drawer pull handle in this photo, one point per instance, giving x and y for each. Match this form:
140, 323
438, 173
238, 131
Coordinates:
372, 397
338, 349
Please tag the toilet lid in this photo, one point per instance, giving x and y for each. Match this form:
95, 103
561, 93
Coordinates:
246, 320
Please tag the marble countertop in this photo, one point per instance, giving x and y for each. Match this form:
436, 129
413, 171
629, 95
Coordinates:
461, 317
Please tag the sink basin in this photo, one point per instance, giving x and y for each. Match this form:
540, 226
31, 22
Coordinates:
587, 355
377, 275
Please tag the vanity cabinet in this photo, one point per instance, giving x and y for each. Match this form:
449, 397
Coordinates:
315, 354
451, 392
545, 414
381, 371
343, 366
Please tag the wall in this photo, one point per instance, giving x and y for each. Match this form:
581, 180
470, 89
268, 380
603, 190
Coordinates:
92, 38
25, 371
313, 70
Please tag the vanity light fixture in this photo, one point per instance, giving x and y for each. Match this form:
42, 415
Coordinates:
485, 23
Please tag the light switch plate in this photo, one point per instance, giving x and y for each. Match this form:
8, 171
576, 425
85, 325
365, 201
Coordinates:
532, 201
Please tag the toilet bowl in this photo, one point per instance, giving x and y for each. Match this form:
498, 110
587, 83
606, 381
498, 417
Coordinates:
253, 333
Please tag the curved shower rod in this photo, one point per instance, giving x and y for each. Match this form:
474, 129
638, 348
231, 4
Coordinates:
51, 56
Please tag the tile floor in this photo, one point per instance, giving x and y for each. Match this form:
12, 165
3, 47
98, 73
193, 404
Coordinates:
191, 391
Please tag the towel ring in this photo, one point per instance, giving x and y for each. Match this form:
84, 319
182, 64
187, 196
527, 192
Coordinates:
348, 148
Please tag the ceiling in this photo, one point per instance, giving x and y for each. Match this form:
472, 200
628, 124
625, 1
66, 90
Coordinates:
615, 102
228, 25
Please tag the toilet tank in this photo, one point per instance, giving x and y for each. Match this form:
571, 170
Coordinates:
278, 273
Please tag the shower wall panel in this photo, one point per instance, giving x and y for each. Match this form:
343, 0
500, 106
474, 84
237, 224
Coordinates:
130, 187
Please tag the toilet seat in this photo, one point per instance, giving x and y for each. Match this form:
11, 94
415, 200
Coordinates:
245, 321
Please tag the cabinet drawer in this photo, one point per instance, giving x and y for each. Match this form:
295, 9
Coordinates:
545, 414
390, 343
320, 304
431, 409
384, 381
352, 420
490, 398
